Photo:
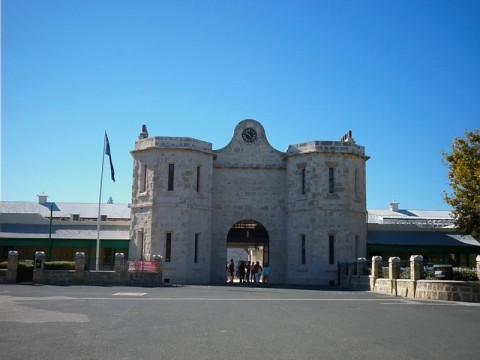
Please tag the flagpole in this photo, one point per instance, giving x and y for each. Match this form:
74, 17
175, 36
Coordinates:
97, 253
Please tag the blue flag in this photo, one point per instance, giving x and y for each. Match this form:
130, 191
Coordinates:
107, 152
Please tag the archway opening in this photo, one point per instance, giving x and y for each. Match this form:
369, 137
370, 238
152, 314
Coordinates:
247, 240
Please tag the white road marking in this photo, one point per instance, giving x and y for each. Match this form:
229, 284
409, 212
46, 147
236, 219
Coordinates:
128, 294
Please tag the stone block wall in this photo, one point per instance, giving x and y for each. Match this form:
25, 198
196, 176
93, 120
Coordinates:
3, 276
79, 276
415, 287
468, 291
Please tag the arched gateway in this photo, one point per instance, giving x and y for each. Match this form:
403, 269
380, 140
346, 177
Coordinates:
192, 204
247, 240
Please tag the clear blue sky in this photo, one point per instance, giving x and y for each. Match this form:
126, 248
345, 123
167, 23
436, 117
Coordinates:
404, 76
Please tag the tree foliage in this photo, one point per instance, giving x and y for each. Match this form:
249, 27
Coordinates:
464, 176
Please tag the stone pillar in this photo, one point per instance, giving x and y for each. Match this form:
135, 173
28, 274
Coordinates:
119, 262
416, 267
393, 268
478, 266
38, 266
377, 266
159, 260
79, 265
361, 266
12, 267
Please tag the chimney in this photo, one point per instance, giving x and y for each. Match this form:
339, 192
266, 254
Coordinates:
144, 133
42, 198
394, 206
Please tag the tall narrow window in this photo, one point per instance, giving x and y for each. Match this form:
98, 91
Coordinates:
171, 172
331, 249
195, 254
304, 181
140, 244
143, 179
357, 184
303, 249
357, 244
198, 178
168, 247
331, 180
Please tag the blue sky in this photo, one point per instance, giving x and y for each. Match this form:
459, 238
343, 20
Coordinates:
404, 76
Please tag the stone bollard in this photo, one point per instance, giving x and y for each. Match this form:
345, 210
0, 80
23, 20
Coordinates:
79, 265
38, 266
377, 267
478, 266
416, 267
376, 271
393, 268
12, 267
361, 266
159, 260
119, 262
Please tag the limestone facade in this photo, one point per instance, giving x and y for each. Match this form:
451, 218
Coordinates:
188, 199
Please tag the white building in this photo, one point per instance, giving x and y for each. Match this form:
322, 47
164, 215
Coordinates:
304, 209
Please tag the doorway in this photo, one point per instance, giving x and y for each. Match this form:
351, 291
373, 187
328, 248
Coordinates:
247, 240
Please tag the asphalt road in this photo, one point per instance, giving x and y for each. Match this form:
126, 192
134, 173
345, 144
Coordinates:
230, 322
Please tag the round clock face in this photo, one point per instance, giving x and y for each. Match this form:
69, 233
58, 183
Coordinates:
249, 135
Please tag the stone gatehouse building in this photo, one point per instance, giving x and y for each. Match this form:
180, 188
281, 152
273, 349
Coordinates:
302, 210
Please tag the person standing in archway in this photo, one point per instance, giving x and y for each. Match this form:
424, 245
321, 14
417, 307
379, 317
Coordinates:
241, 271
266, 273
230, 271
247, 272
257, 270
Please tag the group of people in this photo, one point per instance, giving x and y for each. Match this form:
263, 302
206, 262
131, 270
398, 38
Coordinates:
248, 272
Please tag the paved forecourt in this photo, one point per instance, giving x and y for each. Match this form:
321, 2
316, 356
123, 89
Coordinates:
229, 322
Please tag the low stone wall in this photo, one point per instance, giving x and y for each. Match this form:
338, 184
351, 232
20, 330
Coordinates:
100, 278
468, 291
119, 277
413, 288
356, 282
3, 276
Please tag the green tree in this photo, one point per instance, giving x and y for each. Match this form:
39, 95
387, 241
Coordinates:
464, 176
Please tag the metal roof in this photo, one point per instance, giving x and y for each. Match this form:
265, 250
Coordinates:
421, 218
421, 238
72, 234
65, 209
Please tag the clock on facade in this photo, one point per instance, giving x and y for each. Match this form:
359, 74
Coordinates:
249, 135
